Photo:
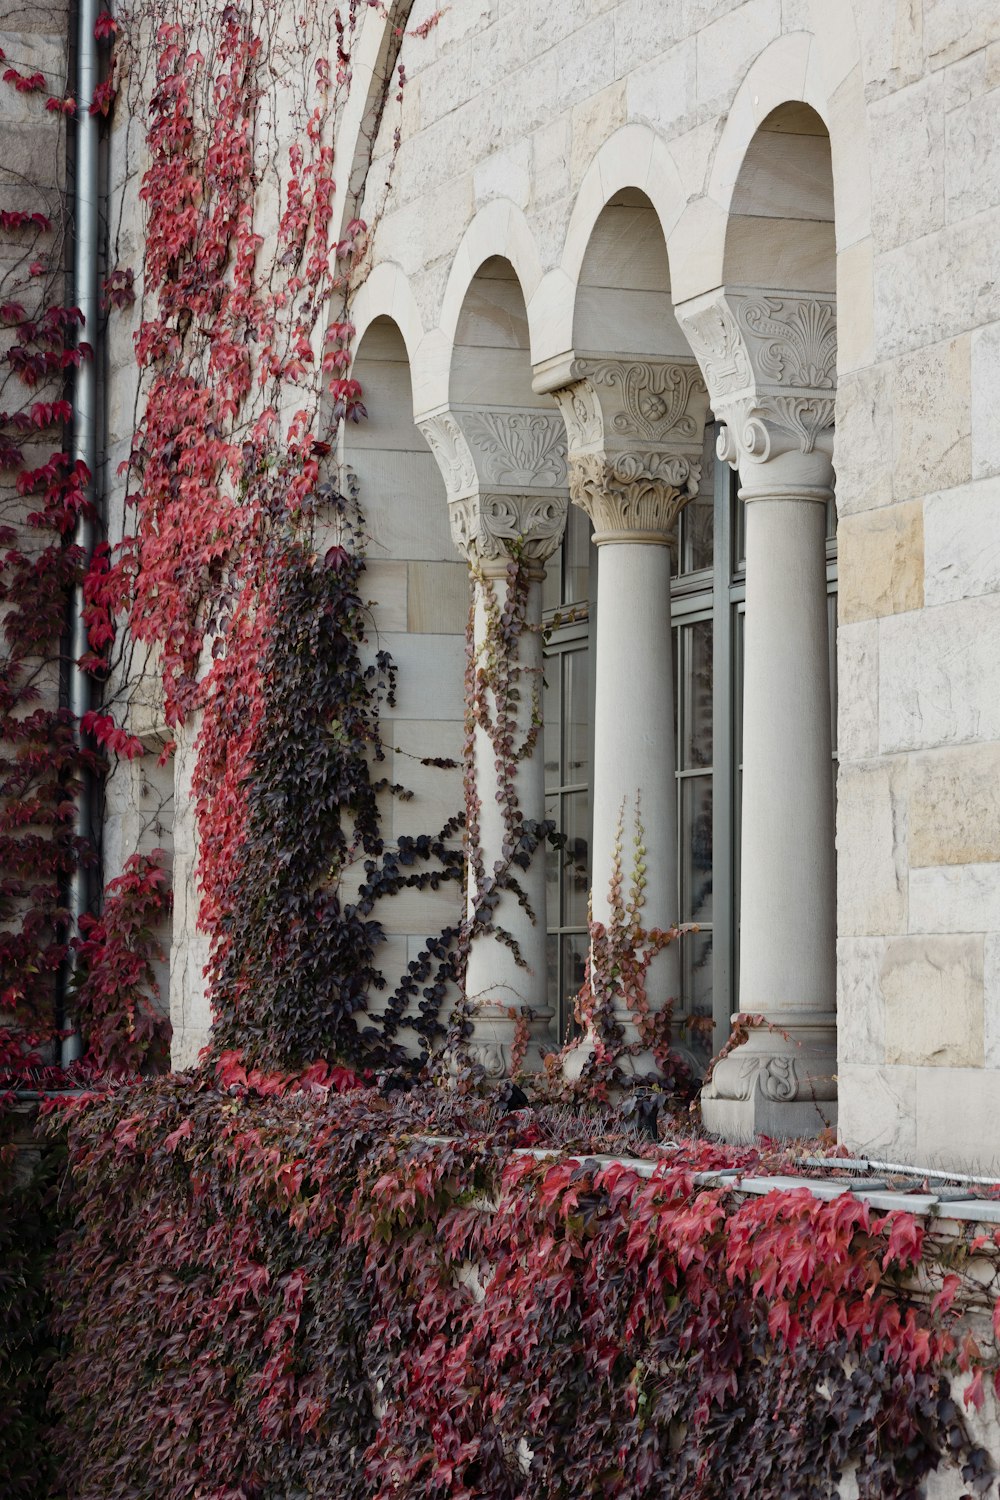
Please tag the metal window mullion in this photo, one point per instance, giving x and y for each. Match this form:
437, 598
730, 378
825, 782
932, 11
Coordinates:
724, 831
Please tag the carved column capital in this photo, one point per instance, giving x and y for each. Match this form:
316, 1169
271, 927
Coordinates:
505, 475
770, 364
635, 429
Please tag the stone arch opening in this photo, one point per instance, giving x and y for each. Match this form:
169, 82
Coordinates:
417, 589
781, 224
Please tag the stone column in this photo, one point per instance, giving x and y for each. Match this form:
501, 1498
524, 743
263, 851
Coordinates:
636, 432
770, 364
505, 473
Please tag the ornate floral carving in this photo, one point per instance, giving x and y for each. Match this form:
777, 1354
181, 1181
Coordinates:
632, 494
780, 1077
635, 430
490, 527
517, 447
581, 414
448, 444
656, 398
793, 339
715, 338
770, 360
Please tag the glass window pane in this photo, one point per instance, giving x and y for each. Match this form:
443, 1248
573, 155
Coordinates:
697, 530
576, 557
576, 717
553, 865
574, 959
552, 582
696, 848
696, 664
696, 990
552, 733
576, 862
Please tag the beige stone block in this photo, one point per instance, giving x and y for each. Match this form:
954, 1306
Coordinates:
588, 65
957, 1113
962, 542
991, 998
955, 28
907, 147
550, 177
384, 584
871, 849
955, 806
863, 441
855, 306
880, 562
591, 123
728, 46
971, 160
438, 597
664, 92
933, 988
932, 443
860, 1002
857, 691
505, 174
437, 791
938, 286
641, 32
421, 913
985, 406
937, 674
876, 1110
431, 682
954, 898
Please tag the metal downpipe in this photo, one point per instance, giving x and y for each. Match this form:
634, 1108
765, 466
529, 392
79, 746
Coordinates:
86, 231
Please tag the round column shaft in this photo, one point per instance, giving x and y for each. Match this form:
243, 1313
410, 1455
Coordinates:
498, 979
634, 755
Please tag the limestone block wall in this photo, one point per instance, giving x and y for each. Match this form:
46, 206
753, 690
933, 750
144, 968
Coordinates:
919, 538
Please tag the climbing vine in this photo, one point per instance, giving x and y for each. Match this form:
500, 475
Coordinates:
283, 1287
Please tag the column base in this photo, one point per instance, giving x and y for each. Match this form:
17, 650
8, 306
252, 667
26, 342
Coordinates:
742, 1120
640, 1065
494, 1044
782, 1081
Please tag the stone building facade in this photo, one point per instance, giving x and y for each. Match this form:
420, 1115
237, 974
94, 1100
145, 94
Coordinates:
698, 303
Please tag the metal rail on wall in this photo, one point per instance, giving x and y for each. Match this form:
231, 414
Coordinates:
86, 397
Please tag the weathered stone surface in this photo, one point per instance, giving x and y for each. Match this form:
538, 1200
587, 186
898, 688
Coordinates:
860, 1002
856, 731
970, 159
991, 999
877, 1104
962, 542
932, 444
985, 407
918, 298
871, 849
431, 675
437, 792
881, 556
955, 806
957, 1115
933, 989
862, 447
936, 676
908, 167
438, 598
954, 898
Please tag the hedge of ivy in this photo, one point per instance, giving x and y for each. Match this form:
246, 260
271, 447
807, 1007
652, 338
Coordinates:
274, 1290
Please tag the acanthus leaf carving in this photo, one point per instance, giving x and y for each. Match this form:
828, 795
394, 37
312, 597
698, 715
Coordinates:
517, 447
492, 527
448, 444
770, 360
633, 495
